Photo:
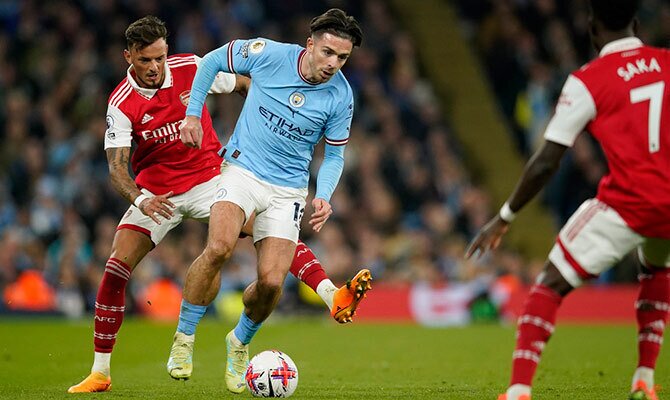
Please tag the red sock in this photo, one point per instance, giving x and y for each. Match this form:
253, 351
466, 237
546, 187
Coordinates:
306, 267
534, 329
110, 305
652, 307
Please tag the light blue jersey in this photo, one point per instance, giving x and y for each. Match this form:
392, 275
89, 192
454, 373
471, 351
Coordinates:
284, 116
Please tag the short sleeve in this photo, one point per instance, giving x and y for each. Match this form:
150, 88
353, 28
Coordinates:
119, 129
574, 110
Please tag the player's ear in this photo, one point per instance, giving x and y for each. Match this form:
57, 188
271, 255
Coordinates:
126, 55
310, 43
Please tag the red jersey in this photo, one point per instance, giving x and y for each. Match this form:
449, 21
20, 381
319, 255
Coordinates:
622, 98
151, 117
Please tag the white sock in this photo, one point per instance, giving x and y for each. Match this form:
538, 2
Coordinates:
236, 341
101, 363
645, 375
326, 290
185, 337
514, 391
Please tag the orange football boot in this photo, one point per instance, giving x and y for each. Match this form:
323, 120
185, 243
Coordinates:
347, 298
642, 392
95, 382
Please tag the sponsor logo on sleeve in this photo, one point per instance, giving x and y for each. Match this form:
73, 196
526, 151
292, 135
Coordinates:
256, 46
244, 50
110, 124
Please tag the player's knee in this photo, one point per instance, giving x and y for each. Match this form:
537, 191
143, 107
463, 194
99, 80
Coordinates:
553, 279
271, 282
218, 251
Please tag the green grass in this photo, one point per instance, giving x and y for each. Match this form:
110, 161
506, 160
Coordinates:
40, 359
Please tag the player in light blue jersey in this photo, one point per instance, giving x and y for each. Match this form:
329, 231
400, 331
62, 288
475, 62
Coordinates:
297, 97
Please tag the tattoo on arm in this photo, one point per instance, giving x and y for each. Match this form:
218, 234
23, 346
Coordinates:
117, 160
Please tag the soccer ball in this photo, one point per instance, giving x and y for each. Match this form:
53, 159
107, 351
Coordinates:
271, 373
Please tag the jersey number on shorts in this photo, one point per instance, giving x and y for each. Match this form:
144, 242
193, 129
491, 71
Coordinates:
654, 93
297, 214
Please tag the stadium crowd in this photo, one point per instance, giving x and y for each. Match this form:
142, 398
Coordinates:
406, 205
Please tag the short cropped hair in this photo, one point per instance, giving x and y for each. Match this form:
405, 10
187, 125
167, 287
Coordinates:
145, 31
338, 23
615, 15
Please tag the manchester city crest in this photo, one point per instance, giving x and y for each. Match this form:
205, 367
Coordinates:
297, 99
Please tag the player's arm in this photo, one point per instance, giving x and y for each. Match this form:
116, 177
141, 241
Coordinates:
118, 138
326, 182
537, 172
337, 136
230, 83
574, 110
242, 84
225, 82
117, 160
235, 57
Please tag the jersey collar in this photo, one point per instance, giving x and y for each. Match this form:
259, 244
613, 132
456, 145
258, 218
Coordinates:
620, 45
300, 57
149, 93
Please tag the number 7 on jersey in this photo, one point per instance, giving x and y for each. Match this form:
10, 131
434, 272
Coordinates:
654, 93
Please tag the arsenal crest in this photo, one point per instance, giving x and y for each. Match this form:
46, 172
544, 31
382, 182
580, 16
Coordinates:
184, 96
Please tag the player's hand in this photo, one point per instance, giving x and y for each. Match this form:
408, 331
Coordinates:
322, 211
488, 238
152, 207
191, 131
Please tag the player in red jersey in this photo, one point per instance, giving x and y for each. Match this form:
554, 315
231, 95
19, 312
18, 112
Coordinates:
622, 99
172, 181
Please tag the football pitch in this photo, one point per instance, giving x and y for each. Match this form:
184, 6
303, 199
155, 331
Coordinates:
40, 359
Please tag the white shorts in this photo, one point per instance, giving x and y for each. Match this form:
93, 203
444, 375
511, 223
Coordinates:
194, 204
595, 238
278, 209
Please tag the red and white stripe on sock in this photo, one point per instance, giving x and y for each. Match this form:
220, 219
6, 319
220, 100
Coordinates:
110, 304
534, 328
306, 266
651, 309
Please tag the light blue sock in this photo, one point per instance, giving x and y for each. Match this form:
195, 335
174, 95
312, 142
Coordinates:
246, 328
189, 317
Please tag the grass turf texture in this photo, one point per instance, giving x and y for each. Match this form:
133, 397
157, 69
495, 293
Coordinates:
40, 359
